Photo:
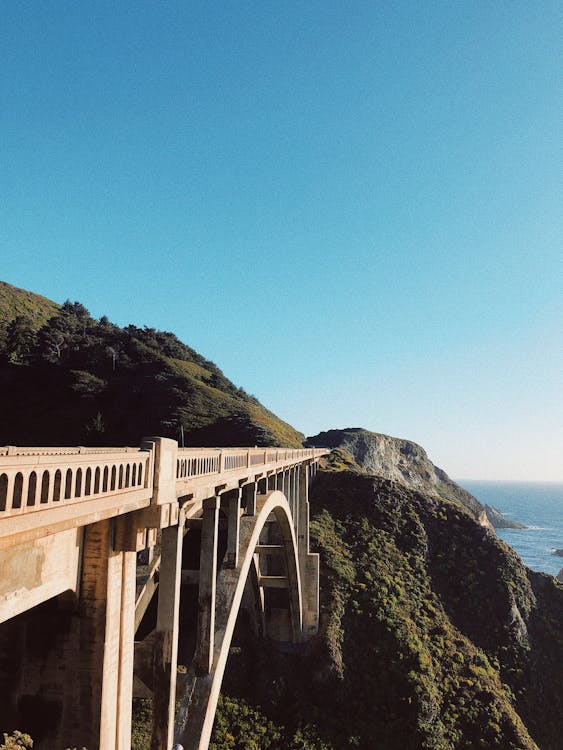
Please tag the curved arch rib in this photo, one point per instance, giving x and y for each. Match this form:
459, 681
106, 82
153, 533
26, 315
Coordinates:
196, 716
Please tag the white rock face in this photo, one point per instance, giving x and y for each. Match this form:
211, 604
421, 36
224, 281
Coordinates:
402, 461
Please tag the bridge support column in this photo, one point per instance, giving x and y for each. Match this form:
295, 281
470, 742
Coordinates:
308, 563
99, 670
166, 643
303, 512
262, 486
126, 649
296, 496
292, 490
233, 528
207, 585
249, 492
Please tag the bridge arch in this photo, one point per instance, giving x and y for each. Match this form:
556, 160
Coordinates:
196, 716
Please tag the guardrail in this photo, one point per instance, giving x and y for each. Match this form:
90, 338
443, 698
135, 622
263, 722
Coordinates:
13, 450
78, 484
33, 479
201, 462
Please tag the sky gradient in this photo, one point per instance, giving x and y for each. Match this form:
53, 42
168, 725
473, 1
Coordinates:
354, 209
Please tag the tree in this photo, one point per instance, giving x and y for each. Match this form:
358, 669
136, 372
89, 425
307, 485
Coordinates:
65, 332
21, 340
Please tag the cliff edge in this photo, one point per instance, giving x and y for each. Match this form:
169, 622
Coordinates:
406, 462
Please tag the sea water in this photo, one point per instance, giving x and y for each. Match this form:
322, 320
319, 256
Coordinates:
539, 506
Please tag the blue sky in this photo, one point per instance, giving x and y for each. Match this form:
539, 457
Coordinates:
353, 208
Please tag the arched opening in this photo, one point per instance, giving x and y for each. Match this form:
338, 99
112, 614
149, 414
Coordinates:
45, 487
31, 489
88, 481
68, 484
113, 477
57, 486
97, 480
18, 490
105, 479
3, 491
78, 486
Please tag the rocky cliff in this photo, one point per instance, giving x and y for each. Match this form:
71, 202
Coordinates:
406, 462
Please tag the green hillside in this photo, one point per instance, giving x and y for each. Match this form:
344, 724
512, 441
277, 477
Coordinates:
433, 635
32, 308
14, 302
66, 378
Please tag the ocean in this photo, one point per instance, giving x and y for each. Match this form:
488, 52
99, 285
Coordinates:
539, 506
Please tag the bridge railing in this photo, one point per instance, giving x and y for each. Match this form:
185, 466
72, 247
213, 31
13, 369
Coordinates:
13, 450
34, 479
201, 462
43, 489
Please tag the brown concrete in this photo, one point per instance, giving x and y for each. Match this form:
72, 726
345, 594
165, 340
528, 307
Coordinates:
39, 570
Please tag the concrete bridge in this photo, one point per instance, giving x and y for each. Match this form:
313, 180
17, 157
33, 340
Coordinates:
114, 560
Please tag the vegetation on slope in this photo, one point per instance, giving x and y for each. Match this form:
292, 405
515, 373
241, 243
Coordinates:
434, 635
16, 302
71, 379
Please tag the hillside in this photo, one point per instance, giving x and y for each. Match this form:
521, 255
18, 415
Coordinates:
406, 462
14, 302
433, 635
67, 379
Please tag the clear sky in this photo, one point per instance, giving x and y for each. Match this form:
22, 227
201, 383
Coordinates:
353, 208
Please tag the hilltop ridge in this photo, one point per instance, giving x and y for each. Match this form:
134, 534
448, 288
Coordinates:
67, 378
